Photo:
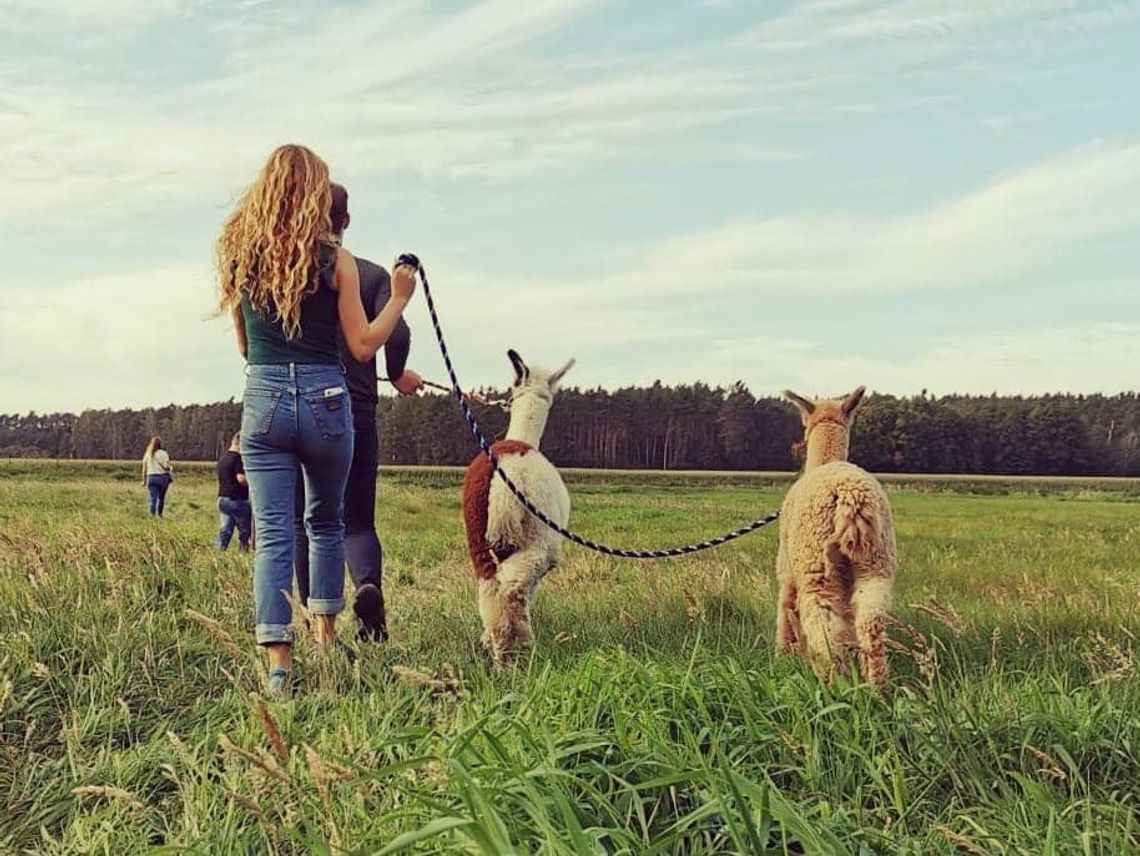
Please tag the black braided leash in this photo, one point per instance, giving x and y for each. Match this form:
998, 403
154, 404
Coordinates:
456, 390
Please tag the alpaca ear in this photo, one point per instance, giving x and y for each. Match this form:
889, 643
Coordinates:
805, 406
556, 378
851, 403
521, 371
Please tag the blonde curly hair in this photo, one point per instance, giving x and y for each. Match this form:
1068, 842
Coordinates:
269, 245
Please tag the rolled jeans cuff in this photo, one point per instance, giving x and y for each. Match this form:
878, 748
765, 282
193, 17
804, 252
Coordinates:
268, 634
334, 606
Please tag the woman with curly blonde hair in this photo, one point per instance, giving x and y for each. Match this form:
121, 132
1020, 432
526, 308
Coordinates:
290, 288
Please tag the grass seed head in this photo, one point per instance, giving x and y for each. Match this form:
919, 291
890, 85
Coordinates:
264, 762
110, 793
271, 728
942, 613
434, 682
250, 805
220, 634
957, 839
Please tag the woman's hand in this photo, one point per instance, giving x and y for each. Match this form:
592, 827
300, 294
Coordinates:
404, 282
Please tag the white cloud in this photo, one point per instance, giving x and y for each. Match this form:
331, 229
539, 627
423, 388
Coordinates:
1007, 44
137, 339
1087, 358
1017, 224
653, 300
386, 87
907, 23
367, 48
109, 17
158, 346
64, 152
402, 87
638, 344
390, 88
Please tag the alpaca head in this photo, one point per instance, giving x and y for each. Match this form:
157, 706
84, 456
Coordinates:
827, 425
532, 393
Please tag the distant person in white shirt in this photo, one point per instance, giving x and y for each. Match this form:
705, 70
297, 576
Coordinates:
158, 473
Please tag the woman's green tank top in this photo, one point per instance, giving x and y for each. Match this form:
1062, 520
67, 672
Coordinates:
316, 342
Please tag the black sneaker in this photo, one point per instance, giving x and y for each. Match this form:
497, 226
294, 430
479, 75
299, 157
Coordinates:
369, 608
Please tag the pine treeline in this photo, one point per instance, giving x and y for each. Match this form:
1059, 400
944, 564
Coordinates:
660, 427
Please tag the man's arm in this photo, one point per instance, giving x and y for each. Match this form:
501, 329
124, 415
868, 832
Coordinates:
396, 349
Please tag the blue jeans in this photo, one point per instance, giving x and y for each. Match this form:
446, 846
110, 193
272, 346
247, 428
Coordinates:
296, 414
156, 485
362, 547
234, 512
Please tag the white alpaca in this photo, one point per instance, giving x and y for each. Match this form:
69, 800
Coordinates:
510, 548
836, 559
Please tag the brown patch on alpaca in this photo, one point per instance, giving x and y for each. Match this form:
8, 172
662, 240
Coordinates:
476, 499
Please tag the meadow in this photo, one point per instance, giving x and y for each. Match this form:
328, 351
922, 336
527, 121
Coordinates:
653, 716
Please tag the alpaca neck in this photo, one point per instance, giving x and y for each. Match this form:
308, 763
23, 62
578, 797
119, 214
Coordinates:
826, 443
528, 419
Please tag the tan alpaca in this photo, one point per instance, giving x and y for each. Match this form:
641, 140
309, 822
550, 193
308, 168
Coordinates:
836, 560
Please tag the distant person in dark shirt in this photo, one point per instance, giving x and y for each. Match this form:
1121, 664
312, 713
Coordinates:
233, 498
362, 548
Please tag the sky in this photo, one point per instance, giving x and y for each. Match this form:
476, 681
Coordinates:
907, 194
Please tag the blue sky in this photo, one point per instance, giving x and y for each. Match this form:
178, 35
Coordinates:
905, 194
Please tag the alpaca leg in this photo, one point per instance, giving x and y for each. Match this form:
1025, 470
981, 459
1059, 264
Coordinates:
499, 610
517, 578
789, 635
490, 610
519, 637
825, 624
871, 603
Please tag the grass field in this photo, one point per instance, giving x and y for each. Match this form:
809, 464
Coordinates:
652, 718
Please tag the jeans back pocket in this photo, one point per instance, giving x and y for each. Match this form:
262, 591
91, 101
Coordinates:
257, 410
332, 411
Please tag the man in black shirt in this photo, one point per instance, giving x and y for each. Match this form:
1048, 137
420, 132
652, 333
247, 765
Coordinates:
233, 498
362, 547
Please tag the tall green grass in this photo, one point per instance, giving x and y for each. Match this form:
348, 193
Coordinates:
652, 718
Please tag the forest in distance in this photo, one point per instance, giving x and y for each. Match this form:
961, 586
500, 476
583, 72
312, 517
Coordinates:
666, 427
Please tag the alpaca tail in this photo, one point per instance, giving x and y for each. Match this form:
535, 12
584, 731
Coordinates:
855, 528
476, 495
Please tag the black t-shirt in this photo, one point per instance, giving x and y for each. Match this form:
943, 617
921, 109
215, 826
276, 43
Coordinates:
228, 468
360, 378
